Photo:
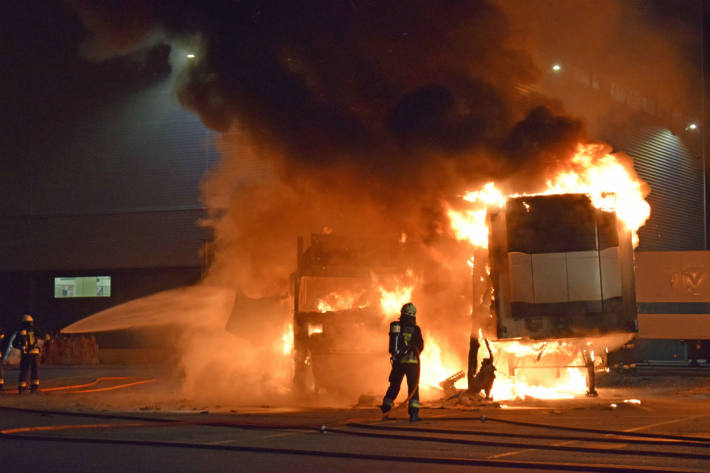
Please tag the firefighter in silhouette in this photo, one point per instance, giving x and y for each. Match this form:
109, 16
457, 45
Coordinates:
406, 343
27, 341
483, 380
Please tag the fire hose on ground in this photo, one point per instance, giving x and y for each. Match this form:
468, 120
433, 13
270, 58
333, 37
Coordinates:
11, 434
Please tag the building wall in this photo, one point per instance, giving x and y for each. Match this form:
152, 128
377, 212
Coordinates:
113, 191
665, 155
671, 164
33, 292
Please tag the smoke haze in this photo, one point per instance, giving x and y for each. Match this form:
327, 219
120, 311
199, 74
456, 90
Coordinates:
359, 116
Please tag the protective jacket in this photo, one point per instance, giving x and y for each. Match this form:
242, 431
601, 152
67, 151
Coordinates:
27, 338
412, 342
27, 341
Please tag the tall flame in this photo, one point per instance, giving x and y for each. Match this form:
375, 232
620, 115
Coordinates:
438, 364
553, 369
336, 301
470, 224
395, 291
541, 370
287, 340
610, 185
392, 301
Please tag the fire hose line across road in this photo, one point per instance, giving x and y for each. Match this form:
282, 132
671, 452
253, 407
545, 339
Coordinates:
81, 388
431, 460
580, 429
625, 437
481, 433
148, 421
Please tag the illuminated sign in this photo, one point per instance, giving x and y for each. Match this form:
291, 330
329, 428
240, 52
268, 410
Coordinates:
82, 286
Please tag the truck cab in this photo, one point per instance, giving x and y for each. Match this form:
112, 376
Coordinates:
339, 325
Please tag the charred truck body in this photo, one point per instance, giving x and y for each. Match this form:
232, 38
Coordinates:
560, 268
338, 323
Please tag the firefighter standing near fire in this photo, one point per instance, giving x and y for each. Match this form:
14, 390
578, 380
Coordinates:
27, 341
406, 343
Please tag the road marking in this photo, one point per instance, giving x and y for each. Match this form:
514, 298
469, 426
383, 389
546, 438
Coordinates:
517, 452
663, 423
220, 442
507, 454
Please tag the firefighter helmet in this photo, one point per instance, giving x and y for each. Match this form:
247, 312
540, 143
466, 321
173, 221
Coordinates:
27, 318
409, 310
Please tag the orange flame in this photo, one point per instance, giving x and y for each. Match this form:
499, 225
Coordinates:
392, 301
438, 364
396, 291
610, 185
542, 370
470, 224
339, 301
554, 369
287, 340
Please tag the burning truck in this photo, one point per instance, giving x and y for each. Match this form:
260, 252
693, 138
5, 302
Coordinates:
553, 273
560, 271
553, 288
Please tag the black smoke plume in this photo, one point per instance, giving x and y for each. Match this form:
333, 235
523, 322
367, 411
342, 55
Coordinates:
361, 116
386, 87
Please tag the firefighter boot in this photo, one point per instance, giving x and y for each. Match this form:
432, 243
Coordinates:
386, 407
414, 415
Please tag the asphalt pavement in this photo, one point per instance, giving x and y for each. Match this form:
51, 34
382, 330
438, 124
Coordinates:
112, 419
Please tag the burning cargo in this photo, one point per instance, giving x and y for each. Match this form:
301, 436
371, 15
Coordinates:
553, 287
560, 268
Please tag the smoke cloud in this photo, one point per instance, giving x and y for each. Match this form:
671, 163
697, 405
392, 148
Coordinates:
648, 50
358, 116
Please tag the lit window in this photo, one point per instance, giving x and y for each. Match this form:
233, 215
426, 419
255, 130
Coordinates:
82, 286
